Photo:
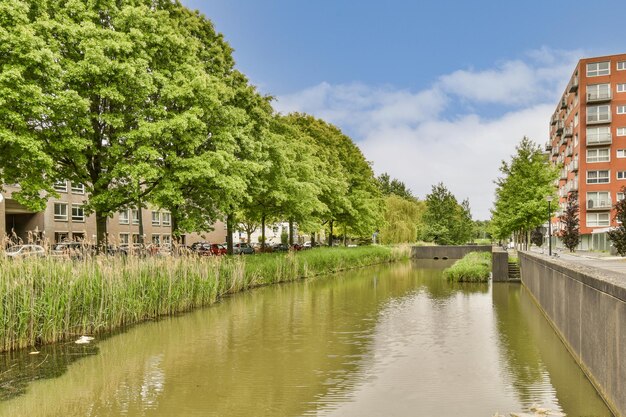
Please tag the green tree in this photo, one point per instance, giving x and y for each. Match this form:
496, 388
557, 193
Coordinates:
401, 220
570, 233
446, 221
521, 192
389, 186
617, 235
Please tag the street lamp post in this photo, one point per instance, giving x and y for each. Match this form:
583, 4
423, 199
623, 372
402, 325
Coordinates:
549, 199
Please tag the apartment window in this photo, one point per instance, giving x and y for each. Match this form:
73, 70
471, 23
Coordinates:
621, 175
135, 216
156, 218
60, 186
598, 199
598, 91
621, 88
135, 237
621, 65
621, 109
124, 238
621, 153
78, 188
61, 237
123, 215
156, 239
621, 131
576, 120
78, 213
78, 237
596, 69
620, 196
596, 135
598, 177
60, 212
599, 114
598, 155
166, 219
166, 239
597, 219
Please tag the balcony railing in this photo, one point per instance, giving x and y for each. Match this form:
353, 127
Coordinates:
572, 185
599, 139
568, 132
560, 125
563, 174
563, 192
548, 146
555, 151
569, 151
599, 204
573, 85
563, 103
596, 96
573, 166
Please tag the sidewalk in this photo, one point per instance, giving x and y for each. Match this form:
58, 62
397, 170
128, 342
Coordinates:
592, 259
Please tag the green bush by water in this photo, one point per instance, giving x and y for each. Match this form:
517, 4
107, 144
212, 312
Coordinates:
48, 300
474, 267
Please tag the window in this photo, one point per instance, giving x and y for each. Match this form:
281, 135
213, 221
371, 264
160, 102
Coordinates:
598, 177
598, 199
598, 155
597, 219
135, 237
61, 237
123, 215
156, 239
78, 213
61, 186
166, 239
621, 131
598, 92
166, 219
621, 88
621, 153
78, 188
78, 237
60, 212
621, 109
621, 175
621, 66
599, 114
596, 69
597, 135
156, 218
620, 196
576, 120
124, 238
135, 215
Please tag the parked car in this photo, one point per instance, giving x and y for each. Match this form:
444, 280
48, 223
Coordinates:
25, 251
242, 249
137, 249
201, 248
280, 247
297, 247
72, 250
217, 249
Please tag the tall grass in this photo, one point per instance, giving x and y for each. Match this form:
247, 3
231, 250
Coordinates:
48, 300
474, 267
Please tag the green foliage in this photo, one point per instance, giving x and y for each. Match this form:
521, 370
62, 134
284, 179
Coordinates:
536, 237
402, 220
521, 192
394, 186
617, 235
47, 300
284, 238
474, 267
446, 221
570, 232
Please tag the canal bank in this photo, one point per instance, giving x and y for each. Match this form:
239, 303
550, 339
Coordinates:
587, 308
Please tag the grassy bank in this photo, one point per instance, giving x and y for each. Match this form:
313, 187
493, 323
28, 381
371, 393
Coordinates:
474, 267
48, 300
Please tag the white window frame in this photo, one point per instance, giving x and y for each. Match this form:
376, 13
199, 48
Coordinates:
621, 175
621, 131
621, 88
596, 158
621, 65
620, 153
60, 186
598, 91
124, 238
134, 216
598, 178
596, 111
620, 196
156, 218
123, 217
595, 132
598, 197
621, 109
166, 239
597, 222
77, 188
576, 119
76, 217
166, 218
156, 239
60, 212
593, 69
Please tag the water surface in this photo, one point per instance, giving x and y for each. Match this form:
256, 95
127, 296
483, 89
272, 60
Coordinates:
386, 341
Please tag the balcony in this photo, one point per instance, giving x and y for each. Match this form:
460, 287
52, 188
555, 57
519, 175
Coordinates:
569, 151
568, 132
599, 204
573, 85
563, 192
572, 185
598, 96
555, 151
553, 119
548, 146
563, 103
560, 125
573, 166
599, 139
563, 174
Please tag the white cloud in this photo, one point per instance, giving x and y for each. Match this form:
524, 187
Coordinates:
429, 136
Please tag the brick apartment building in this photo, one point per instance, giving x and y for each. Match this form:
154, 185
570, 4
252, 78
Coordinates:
588, 140
64, 219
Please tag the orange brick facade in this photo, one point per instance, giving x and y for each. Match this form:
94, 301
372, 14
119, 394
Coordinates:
588, 140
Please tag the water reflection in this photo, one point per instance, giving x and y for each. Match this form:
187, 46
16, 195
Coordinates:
392, 340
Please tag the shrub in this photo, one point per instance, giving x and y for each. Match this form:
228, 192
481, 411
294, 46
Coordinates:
474, 267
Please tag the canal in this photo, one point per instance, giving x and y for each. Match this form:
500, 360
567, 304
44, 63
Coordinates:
394, 340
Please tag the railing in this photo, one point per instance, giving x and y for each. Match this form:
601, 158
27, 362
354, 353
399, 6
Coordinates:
598, 96
573, 165
572, 185
573, 85
563, 174
560, 125
568, 132
599, 204
599, 139
569, 151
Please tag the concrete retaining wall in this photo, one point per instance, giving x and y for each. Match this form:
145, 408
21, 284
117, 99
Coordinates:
587, 307
446, 252
499, 265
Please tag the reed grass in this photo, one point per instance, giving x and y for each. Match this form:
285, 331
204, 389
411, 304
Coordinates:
473, 267
48, 300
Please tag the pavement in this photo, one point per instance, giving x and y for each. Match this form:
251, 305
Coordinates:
599, 260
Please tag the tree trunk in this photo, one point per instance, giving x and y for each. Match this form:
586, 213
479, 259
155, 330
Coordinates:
345, 242
312, 239
290, 232
249, 235
229, 234
140, 214
101, 232
330, 240
263, 233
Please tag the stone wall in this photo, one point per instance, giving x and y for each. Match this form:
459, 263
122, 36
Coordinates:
587, 308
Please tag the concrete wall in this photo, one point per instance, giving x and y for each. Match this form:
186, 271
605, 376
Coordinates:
449, 252
499, 265
587, 307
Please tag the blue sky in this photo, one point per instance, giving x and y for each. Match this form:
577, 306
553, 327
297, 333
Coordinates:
431, 91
